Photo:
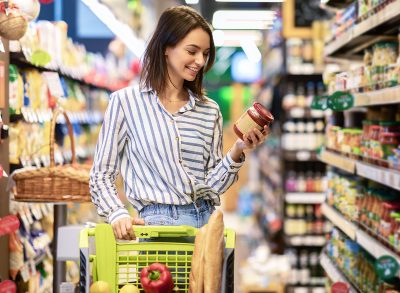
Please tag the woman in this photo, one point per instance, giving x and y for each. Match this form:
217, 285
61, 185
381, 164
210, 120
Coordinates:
165, 136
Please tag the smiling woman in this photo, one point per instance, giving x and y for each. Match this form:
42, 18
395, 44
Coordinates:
165, 136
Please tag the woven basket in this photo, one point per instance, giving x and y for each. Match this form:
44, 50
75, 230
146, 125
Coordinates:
13, 26
66, 183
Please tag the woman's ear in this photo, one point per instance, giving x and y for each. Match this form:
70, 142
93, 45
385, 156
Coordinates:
166, 52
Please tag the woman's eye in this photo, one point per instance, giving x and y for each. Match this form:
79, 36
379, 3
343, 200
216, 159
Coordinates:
191, 52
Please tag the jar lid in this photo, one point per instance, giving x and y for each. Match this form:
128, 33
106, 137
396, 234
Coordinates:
264, 117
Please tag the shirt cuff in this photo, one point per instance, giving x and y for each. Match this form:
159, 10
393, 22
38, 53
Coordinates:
232, 165
117, 215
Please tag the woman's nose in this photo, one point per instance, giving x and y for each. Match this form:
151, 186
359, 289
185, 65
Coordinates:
200, 60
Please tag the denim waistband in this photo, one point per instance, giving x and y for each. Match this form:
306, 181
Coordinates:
201, 205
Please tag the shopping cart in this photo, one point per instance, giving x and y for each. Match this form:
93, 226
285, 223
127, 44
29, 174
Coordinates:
120, 263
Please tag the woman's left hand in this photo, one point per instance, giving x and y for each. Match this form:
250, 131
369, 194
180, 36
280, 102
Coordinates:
253, 139
250, 141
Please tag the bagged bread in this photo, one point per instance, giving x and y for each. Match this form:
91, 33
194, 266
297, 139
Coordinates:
196, 278
214, 253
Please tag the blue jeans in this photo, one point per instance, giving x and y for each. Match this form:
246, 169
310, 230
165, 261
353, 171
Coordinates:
195, 214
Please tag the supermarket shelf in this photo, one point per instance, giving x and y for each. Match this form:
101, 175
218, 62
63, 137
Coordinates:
380, 97
385, 176
373, 246
339, 221
338, 161
305, 197
310, 240
338, 3
334, 273
367, 242
299, 112
384, 21
19, 60
301, 155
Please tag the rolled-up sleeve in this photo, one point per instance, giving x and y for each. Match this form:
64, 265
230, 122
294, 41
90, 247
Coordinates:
105, 169
222, 172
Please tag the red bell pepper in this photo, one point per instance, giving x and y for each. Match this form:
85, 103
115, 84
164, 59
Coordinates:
156, 278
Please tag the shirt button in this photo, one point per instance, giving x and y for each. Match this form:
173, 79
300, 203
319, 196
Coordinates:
189, 181
172, 121
177, 138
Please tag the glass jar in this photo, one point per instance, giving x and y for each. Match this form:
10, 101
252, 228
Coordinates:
256, 116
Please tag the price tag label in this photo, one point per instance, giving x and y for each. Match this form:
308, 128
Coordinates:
386, 267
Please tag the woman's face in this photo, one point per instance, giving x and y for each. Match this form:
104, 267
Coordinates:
186, 59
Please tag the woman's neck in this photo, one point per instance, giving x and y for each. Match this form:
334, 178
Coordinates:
172, 93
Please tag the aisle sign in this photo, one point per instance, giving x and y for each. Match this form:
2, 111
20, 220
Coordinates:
340, 101
340, 287
319, 103
386, 267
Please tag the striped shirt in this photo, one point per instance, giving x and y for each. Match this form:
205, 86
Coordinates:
163, 158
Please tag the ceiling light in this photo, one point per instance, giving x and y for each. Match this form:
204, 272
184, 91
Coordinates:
192, 1
232, 38
243, 19
121, 30
251, 50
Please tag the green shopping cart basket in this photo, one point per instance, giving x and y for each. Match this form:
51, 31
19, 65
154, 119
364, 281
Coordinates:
120, 262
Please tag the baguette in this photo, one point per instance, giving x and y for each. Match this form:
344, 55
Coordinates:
196, 278
214, 253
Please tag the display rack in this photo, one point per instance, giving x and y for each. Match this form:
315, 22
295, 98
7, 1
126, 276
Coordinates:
4, 161
334, 273
371, 244
19, 60
380, 97
338, 3
357, 38
385, 176
305, 197
338, 161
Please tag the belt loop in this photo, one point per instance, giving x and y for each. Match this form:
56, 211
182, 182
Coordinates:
174, 212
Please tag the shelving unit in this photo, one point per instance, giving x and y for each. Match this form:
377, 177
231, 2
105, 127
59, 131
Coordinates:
305, 197
380, 97
365, 33
334, 272
306, 240
366, 241
385, 176
4, 161
19, 60
338, 161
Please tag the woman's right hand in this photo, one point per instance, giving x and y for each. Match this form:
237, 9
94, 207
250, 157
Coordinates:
123, 228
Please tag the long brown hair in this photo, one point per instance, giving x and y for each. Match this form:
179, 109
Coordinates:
174, 24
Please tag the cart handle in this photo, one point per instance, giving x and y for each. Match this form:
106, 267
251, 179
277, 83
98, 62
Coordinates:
178, 231
159, 231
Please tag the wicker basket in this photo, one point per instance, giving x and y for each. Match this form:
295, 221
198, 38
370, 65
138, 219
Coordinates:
66, 183
13, 26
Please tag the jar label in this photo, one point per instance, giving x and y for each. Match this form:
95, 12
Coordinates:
245, 123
